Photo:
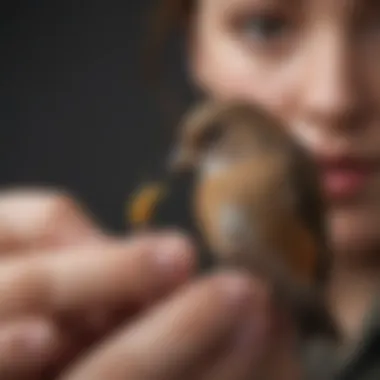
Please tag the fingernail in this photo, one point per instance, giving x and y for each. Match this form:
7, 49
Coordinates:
174, 255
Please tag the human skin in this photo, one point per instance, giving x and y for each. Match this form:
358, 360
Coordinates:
313, 64
61, 274
66, 284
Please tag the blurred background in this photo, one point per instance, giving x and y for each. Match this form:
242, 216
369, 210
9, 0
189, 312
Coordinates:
74, 109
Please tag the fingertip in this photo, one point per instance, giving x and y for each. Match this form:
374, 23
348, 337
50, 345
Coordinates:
175, 254
172, 252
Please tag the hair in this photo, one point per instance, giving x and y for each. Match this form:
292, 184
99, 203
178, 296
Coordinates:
165, 30
165, 18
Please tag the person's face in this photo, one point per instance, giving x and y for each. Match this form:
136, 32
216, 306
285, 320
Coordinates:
315, 64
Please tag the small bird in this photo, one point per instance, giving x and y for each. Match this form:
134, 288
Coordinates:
255, 200
258, 203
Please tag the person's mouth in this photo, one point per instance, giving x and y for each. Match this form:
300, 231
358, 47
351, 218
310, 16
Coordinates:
345, 177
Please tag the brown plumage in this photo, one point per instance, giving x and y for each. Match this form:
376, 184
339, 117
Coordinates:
258, 203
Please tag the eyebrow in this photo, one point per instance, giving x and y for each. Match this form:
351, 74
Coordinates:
251, 3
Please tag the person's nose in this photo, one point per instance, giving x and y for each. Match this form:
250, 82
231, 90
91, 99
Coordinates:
332, 96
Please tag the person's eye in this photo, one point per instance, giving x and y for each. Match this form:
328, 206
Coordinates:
265, 28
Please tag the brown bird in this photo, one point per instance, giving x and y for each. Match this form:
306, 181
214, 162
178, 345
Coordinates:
258, 204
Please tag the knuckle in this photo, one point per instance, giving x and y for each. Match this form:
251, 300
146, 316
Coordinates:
53, 212
58, 201
32, 214
60, 207
33, 201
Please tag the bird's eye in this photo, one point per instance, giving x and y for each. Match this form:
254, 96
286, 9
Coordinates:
210, 135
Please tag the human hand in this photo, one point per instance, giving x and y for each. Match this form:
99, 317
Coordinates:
221, 327
64, 282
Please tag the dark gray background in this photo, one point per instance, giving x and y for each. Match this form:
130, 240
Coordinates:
74, 111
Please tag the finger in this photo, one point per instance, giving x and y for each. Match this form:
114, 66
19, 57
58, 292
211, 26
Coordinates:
96, 276
282, 359
27, 346
240, 358
36, 218
170, 341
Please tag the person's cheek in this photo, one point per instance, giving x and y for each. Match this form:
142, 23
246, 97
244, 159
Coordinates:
225, 67
235, 71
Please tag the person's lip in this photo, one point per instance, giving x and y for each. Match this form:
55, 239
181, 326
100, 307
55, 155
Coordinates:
345, 177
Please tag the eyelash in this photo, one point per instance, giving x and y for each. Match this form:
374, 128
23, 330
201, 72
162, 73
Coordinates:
265, 28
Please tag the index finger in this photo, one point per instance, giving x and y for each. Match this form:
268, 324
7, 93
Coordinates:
98, 276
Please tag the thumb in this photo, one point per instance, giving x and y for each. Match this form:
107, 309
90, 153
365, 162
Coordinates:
174, 340
268, 353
